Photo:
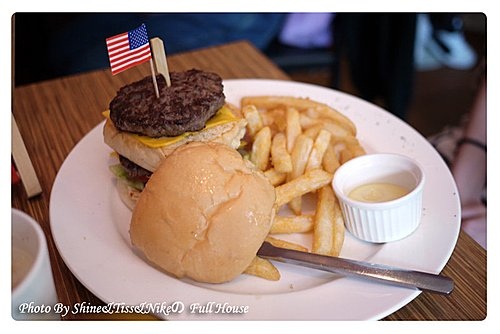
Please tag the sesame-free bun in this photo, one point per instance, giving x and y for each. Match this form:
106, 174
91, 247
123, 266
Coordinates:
204, 213
129, 195
150, 158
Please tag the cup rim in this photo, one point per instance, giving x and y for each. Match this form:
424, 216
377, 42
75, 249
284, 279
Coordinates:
42, 244
378, 205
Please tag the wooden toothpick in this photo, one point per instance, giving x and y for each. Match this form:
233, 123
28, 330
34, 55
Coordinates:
153, 74
160, 58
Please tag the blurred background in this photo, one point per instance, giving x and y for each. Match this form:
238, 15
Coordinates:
426, 68
423, 67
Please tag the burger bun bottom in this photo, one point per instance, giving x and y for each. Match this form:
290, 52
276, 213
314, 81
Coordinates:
129, 195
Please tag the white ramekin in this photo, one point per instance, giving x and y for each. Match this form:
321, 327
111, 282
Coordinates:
383, 221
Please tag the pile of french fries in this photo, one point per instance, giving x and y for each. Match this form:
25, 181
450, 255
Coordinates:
299, 143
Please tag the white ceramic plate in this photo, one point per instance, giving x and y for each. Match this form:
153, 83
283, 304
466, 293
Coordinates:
90, 227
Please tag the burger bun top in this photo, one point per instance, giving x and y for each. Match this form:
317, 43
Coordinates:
204, 213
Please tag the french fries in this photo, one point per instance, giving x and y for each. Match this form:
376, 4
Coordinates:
276, 178
263, 268
285, 244
330, 160
318, 151
316, 108
300, 156
299, 143
328, 235
293, 128
279, 154
261, 148
292, 224
308, 182
254, 119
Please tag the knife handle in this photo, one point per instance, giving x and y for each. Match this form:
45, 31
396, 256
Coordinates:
381, 273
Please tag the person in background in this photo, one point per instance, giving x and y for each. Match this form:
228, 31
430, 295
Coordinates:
307, 30
379, 48
463, 148
469, 170
440, 42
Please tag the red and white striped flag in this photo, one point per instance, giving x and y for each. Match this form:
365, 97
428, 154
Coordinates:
128, 49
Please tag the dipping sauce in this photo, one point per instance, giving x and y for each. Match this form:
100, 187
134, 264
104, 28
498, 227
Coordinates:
377, 192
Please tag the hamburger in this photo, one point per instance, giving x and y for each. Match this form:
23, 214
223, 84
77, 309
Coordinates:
144, 129
210, 226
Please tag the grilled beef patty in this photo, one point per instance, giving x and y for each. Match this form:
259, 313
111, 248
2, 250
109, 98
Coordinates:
135, 172
193, 98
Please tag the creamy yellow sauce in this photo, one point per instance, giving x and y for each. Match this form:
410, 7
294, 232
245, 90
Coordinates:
377, 192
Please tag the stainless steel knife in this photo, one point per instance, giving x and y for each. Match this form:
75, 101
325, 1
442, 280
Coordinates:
381, 273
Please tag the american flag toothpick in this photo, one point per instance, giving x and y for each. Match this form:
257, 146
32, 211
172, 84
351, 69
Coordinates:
128, 49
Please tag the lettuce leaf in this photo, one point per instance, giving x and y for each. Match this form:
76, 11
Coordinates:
122, 174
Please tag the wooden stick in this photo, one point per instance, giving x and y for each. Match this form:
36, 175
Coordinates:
160, 58
23, 162
153, 75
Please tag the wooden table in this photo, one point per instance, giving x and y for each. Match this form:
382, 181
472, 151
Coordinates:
54, 115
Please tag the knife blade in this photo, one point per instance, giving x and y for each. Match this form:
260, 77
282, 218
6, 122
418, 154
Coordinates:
376, 272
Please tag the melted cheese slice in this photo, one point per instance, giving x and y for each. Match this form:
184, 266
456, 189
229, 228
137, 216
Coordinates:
223, 116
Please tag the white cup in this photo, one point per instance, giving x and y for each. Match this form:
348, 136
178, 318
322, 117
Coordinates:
33, 290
